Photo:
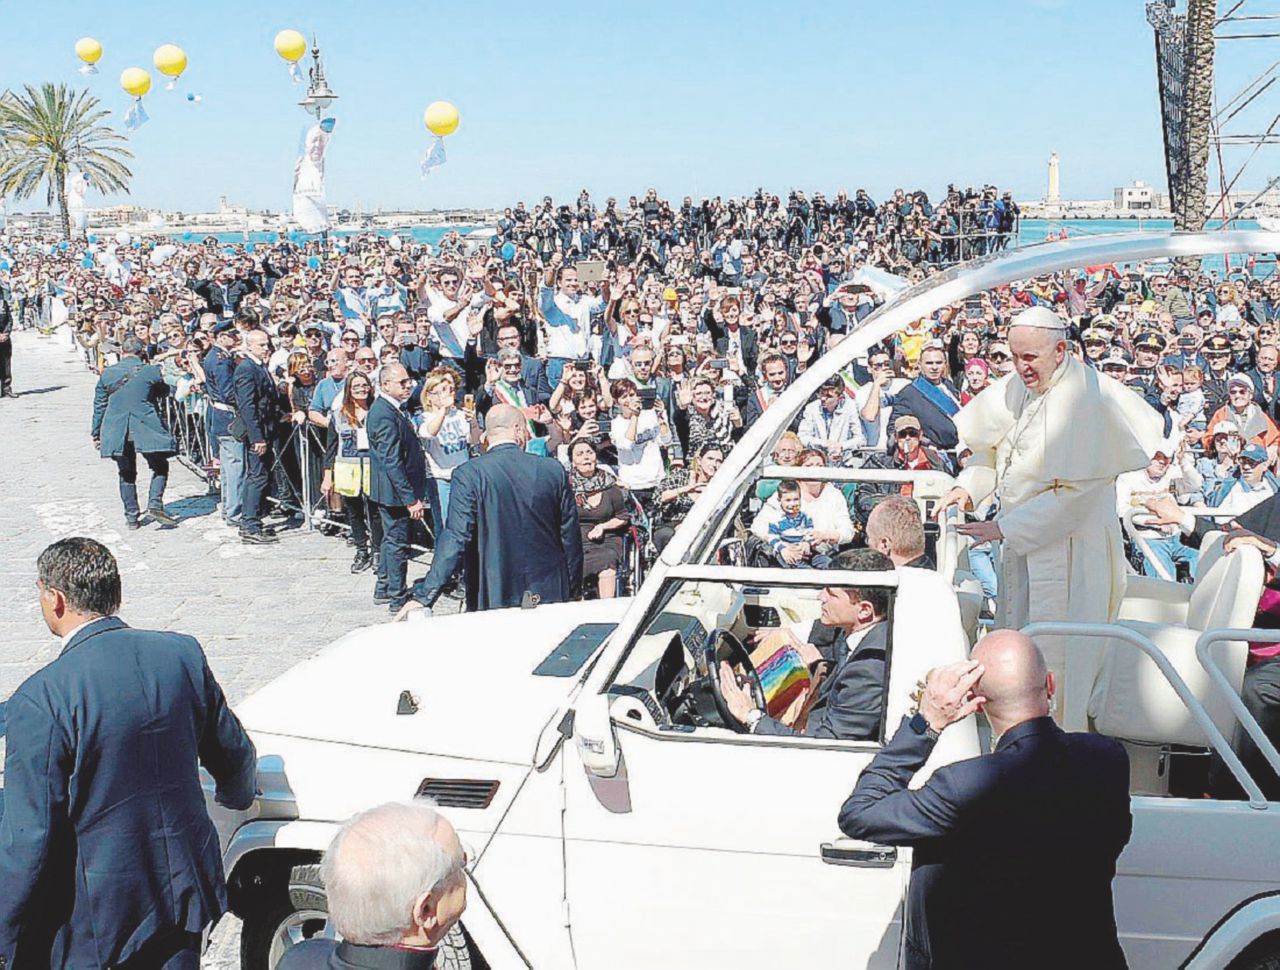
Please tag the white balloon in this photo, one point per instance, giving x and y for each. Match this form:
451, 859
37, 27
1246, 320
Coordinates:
161, 253
122, 237
395, 243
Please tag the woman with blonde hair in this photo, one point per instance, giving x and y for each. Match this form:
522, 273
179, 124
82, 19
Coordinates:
447, 433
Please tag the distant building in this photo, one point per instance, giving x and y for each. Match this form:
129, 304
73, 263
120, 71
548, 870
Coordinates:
1052, 195
1138, 196
116, 215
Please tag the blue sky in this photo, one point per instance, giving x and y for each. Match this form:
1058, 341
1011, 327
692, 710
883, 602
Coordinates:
692, 97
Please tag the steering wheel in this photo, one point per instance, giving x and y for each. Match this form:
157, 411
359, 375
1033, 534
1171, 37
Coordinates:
721, 645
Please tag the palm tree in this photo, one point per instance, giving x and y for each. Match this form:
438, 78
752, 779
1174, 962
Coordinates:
47, 131
1201, 17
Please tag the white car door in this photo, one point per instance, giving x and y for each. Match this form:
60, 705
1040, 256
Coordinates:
705, 850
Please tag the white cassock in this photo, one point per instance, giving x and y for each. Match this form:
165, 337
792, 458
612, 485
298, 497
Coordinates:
1051, 461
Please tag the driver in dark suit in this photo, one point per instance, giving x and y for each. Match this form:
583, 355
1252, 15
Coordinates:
850, 699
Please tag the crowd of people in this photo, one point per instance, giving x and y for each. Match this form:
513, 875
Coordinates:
638, 343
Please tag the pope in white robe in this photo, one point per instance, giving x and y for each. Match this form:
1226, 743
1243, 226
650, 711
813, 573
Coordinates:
1048, 442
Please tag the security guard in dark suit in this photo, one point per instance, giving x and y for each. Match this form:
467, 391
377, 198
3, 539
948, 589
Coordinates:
258, 413
6, 345
397, 481
108, 857
1006, 843
126, 424
512, 525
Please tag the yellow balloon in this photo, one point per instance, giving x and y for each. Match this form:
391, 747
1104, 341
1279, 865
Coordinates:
291, 45
135, 81
88, 50
170, 60
441, 118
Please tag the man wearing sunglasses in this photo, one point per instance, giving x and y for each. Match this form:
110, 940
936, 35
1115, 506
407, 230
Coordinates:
398, 481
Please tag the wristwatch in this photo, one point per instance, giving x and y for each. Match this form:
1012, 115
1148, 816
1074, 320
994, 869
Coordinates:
752, 719
921, 726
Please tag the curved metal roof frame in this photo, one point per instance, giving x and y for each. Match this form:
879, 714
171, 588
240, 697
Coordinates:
704, 520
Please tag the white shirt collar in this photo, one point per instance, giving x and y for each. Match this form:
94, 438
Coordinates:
71, 634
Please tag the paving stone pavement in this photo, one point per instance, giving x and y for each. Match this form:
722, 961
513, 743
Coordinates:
257, 610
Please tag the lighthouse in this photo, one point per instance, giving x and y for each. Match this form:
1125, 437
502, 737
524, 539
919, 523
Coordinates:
1052, 195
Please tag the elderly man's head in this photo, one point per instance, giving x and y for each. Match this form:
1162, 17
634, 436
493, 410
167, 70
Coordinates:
895, 528
394, 877
1038, 344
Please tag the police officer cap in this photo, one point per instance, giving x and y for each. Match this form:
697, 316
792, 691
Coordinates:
1218, 344
226, 326
1149, 341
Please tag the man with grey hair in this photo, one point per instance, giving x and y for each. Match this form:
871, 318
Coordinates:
126, 424
1006, 842
395, 883
1048, 442
397, 481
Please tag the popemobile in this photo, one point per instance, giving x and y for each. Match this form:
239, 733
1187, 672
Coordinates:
618, 816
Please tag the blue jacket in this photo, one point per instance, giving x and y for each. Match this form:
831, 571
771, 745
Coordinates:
220, 382
513, 526
124, 409
397, 465
257, 401
1004, 845
105, 841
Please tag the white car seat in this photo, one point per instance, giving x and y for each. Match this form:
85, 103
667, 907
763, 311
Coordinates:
1132, 699
1158, 601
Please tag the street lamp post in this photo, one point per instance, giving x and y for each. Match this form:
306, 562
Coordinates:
319, 97
319, 94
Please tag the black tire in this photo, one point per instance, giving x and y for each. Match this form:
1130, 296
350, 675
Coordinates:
296, 910
1261, 954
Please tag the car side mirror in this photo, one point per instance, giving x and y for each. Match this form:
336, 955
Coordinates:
594, 737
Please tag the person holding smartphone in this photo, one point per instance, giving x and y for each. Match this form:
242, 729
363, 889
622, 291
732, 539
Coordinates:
640, 431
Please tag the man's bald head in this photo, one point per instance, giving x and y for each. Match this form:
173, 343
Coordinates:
504, 423
1015, 681
395, 383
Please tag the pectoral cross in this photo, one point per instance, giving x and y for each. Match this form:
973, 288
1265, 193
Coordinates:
1057, 485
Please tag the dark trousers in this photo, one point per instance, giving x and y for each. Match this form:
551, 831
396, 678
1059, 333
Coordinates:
257, 471
173, 950
6, 366
127, 466
393, 559
366, 524
1261, 695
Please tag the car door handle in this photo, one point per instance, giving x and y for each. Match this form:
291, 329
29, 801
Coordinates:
851, 852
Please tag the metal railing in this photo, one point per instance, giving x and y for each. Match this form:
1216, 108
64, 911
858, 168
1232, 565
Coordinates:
1119, 634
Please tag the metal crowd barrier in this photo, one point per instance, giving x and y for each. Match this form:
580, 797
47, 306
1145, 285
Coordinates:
294, 490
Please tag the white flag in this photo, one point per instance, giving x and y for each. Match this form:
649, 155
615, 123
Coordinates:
434, 157
309, 208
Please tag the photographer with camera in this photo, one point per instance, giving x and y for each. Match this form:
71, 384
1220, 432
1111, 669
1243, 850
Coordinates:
640, 432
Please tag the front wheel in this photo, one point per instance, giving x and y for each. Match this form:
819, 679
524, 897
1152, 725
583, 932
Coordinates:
297, 909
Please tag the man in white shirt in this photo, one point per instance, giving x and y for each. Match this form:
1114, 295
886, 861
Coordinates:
450, 309
1161, 546
567, 312
832, 424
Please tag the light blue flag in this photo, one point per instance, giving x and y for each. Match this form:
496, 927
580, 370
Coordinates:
137, 116
434, 157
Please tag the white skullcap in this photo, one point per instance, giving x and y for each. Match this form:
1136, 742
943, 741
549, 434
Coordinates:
1038, 318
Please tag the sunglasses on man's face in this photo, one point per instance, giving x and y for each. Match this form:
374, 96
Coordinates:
908, 433
998, 356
